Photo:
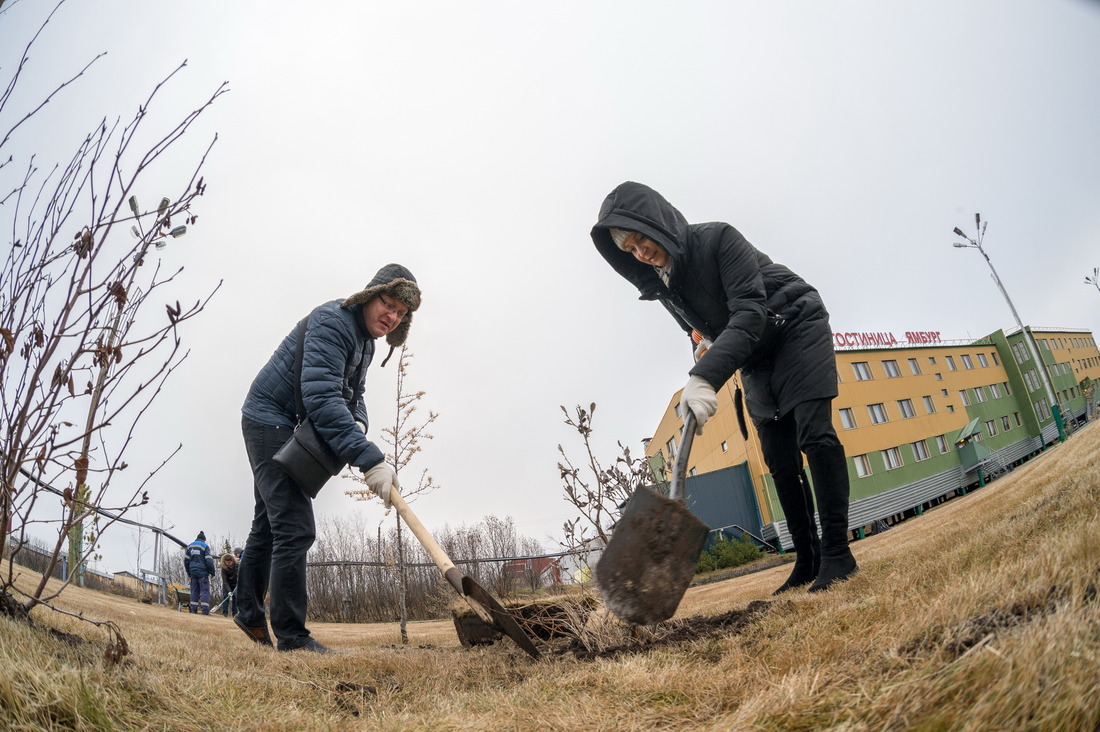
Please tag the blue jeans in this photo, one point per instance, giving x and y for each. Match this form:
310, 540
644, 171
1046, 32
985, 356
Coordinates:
282, 532
231, 601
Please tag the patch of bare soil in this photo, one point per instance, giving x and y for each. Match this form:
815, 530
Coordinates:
670, 633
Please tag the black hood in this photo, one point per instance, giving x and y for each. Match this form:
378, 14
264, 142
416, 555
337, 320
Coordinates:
637, 207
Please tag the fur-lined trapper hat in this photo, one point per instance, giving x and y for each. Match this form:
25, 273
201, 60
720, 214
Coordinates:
397, 282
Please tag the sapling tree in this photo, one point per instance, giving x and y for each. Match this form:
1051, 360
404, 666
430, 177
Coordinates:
596, 492
87, 339
403, 436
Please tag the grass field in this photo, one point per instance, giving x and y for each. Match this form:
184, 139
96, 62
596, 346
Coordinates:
982, 614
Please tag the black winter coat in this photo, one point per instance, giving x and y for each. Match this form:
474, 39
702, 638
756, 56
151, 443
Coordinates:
229, 573
762, 318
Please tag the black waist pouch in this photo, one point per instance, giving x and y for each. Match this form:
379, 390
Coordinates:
308, 459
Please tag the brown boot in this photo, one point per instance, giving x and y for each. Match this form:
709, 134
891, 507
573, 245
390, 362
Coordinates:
257, 633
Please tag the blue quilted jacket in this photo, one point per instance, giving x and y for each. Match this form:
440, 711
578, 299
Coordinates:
336, 340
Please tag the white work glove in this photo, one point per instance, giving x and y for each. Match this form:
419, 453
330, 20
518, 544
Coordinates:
703, 347
700, 398
379, 479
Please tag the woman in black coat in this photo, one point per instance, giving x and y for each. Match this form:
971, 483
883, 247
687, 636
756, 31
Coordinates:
761, 318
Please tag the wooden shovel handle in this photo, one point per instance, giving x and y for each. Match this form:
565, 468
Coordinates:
446, 566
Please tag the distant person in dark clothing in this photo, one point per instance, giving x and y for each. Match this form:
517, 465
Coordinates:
200, 568
757, 317
229, 582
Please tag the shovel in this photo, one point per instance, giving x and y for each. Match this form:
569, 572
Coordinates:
654, 550
480, 601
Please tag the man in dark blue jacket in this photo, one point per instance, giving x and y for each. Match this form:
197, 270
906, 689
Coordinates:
339, 341
199, 566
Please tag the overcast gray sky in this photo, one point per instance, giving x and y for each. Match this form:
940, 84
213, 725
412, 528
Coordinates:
474, 142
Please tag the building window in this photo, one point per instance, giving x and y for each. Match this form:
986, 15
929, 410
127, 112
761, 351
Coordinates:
996, 361
848, 418
991, 427
892, 457
979, 393
862, 371
1016, 416
995, 390
1008, 389
967, 363
671, 447
920, 450
862, 464
1030, 380
941, 443
1042, 409
939, 377
965, 397
905, 406
932, 360
725, 446
943, 392
950, 363
1005, 424
677, 409
950, 408
982, 360
891, 369
929, 405
878, 413
914, 367
693, 471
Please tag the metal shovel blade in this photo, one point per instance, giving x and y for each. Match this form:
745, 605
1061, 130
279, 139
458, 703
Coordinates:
480, 601
651, 558
654, 551
502, 619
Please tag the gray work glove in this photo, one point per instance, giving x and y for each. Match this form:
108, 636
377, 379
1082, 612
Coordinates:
699, 397
379, 479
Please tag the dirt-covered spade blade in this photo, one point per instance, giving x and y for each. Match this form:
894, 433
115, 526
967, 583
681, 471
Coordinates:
502, 619
651, 558
654, 551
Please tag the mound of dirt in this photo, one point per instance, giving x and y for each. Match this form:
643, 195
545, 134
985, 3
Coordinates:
672, 633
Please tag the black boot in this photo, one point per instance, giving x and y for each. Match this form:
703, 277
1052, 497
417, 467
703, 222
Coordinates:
830, 473
798, 507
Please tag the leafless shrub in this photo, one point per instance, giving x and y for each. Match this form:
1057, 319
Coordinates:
78, 367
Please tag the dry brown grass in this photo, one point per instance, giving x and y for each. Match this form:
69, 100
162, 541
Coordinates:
981, 615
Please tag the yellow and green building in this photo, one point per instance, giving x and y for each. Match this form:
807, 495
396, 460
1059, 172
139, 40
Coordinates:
921, 419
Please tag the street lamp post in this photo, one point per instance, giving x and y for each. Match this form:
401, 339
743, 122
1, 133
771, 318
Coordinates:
1055, 409
1095, 279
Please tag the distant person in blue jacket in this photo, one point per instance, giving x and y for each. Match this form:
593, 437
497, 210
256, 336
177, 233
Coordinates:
200, 568
338, 344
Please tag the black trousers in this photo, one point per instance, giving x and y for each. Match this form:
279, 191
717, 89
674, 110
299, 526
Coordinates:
282, 532
808, 428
